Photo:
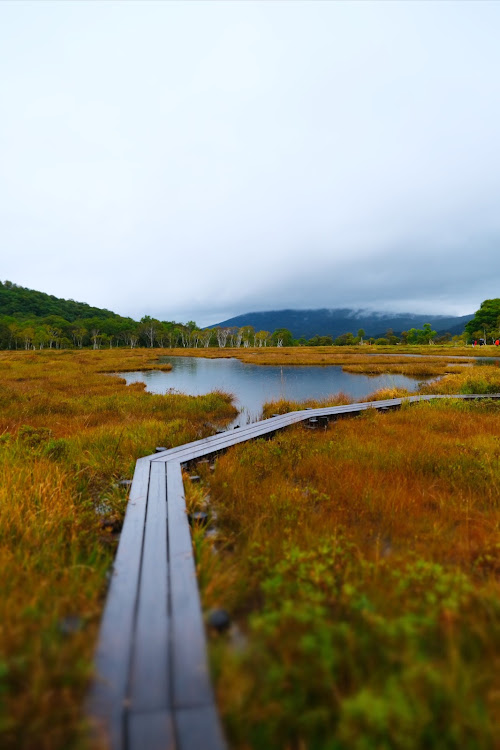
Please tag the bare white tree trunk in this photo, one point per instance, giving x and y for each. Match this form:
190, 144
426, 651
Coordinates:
96, 338
222, 334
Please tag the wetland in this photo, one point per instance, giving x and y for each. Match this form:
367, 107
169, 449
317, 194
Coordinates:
253, 385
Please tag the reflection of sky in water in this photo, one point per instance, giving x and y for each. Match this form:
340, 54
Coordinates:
253, 385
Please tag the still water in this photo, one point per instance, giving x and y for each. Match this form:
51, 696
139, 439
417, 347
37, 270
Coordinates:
253, 385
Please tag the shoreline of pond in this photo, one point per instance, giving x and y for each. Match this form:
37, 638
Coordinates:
253, 386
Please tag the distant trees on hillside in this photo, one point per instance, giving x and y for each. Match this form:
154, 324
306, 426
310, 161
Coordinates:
34, 320
423, 335
54, 332
14, 298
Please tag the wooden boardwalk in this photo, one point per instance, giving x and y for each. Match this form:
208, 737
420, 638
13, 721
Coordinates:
152, 689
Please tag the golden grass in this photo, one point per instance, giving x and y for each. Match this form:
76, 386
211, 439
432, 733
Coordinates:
68, 432
432, 360
360, 565
387, 480
410, 369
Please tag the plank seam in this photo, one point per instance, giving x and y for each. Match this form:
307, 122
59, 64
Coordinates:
128, 688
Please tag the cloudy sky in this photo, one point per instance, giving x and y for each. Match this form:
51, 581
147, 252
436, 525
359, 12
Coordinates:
197, 160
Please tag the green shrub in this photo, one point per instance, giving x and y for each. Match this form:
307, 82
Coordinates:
56, 448
34, 436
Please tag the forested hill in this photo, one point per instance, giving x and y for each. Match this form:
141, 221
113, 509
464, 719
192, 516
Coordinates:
22, 302
334, 322
33, 320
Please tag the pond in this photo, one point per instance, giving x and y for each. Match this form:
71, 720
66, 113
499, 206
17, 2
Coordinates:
253, 385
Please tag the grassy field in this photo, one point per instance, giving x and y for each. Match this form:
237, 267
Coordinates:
360, 568
68, 434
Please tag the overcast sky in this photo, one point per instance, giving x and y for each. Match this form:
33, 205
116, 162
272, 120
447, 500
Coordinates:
197, 160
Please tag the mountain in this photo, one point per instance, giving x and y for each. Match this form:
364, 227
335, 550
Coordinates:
326, 322
20, 301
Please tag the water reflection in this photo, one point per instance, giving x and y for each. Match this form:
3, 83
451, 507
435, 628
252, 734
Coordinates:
253, 385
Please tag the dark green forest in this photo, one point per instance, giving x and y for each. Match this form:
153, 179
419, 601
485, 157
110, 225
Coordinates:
18, 301
31, 319
34, 320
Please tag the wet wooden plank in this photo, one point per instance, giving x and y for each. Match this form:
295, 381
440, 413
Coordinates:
206, 447
149, 686
203, 448
191, 690
218, 438
191, 684
108, 695
249, 431
153, 730
199, 728
261, 428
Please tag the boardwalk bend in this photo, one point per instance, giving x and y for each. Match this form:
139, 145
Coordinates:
152, 689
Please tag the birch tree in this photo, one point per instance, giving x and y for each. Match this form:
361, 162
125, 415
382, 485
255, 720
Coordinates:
78, 334
15, 334
149, 327
238, 338
262, 338
248, 336
222, 334
206, 338
28, 336
41, 337
185, 335
96, 338
54, 335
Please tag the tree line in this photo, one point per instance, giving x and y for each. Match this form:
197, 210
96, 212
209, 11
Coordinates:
54, 332
28, 321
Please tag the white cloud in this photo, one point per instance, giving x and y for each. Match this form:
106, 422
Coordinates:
204, 159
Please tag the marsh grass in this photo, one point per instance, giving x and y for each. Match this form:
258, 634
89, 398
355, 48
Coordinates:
410, 369
68, 434
361, 565
432, 360
70, 430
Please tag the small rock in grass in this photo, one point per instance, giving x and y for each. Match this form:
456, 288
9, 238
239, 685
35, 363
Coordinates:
70, 624
219, 620
113, 525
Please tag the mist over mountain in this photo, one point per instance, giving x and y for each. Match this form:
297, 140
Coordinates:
334, 322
